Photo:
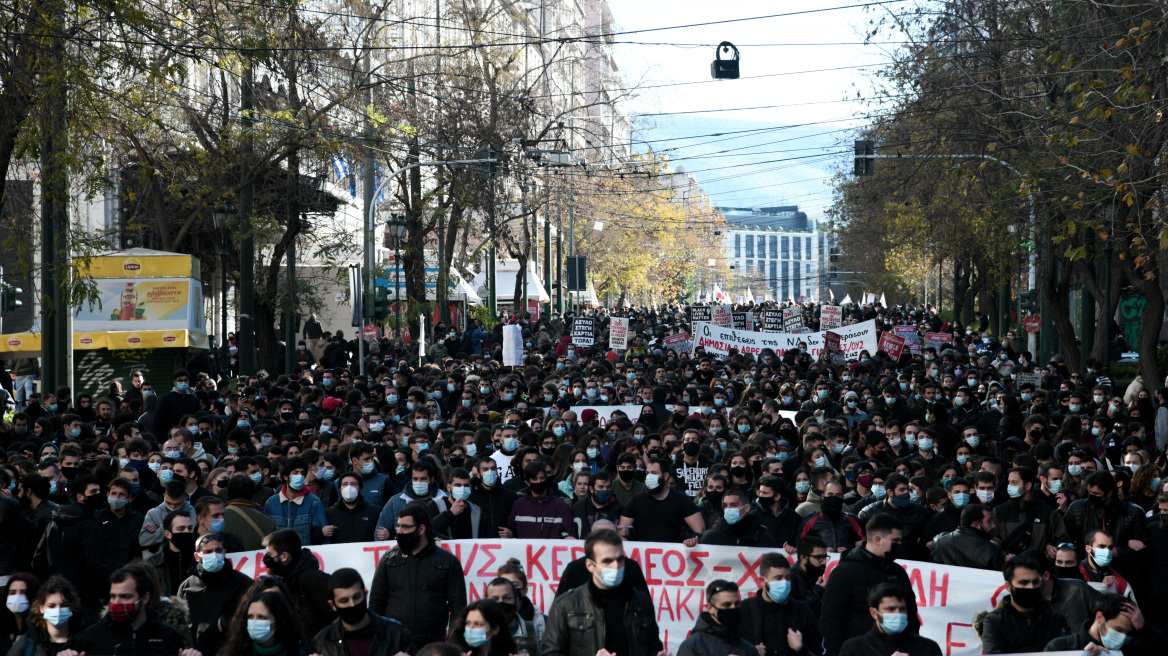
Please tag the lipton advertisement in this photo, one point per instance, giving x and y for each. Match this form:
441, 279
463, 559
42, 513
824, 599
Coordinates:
129, 304
140, 263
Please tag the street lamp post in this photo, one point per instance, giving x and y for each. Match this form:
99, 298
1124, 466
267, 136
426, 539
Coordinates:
397, 232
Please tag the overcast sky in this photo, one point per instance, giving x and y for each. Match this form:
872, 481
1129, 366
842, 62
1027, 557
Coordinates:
824, 99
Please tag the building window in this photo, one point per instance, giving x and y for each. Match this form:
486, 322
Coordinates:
786, 248
786, 277
761, 247
749, 266
774, 281
774, 247
808, 269
808, 251
797, 246
749, 246
737, 246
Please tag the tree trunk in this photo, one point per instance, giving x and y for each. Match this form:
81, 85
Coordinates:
1150, 322
519, 303
1055, 283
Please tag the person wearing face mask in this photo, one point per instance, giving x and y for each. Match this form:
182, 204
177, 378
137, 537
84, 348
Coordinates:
71, 545
691, 464
1022, 620
489, 495
286, 556
844, 611
210, 520
774, 619
294, 507
356, 628
717, 630
407, 575
600, 504
119, 526
970, 545
462, 520
1024, 522
898, 503
130, 627
852, 412
839, 530
523, 632
18, 594
423, 488
737, 526
948, 517
176, 403
52, 621
173, 562
1103, 510
211, 593
539, 513
893, 627
1098, 566
351, 518
1118, 625
624, 616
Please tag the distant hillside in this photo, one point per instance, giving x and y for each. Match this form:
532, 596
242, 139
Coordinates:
798, 160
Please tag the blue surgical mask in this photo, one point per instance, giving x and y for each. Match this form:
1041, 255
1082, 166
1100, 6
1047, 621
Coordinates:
612, 576
1014, 491
474, 636
420, 488
778, 591
173, 454
961, 460
392, 399
256, 477
1102, 557
878, 491
973, 441
327, 474
559, 431
490, 477
893, 623
960, 499
732, 515
75, 432
212, 562
1074, 470
296, 481
802, 487
166, 476
510, 444
592, 453
821, 461
58, 616
460, 492
367, 468
472, 449
260, 630
1112, 640
182, 387
218, 525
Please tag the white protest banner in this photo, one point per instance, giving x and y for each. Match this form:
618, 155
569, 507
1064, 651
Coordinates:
912, 339
718, 340
830, 316
618, 333
513, 346
722, 316
947, 597
792, 319
939, 341
583, 331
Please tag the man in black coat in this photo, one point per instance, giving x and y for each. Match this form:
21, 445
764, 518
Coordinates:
212, 594
1022, 621
774, 513
1103, 510
772, 618
173, 405
494, 500
286, 556
969, 545
71, 545
892, 612
356, 629
130, 628
1118, 625
845, 608
352, 518
736, 527
418, 583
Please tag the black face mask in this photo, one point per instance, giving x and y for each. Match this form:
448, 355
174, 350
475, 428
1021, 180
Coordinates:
353, 614
185, 543
714, 499
408, 542
508, 610
813, 572
738, 472
756, 467
95, 502
833, 506
538, 488
457, 461
626, 475
1097, 502
691, 448
548, 452
70, 472
1026, 597
1065, 572
730, 618
640, 475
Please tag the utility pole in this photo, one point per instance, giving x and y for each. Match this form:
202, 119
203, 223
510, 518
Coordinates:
547, 259
367, 200
443, 269
56, 337
247, 363
559, 253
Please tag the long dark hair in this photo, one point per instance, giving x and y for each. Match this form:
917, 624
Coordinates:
501, 642
239, 643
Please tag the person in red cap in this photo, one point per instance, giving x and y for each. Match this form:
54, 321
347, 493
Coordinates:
588, 417
331, 404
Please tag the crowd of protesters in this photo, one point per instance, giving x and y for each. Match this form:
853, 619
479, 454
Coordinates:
117, 510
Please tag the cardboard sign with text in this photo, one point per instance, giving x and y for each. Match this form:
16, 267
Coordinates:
618, 333
830, 316
583, 331
719, 341
738, 321
722, 316
701, 313
679, 343
891, 344
939, 341
792, 319
772, 321
912, 339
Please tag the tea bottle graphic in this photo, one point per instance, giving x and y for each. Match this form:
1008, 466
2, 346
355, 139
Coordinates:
129, 303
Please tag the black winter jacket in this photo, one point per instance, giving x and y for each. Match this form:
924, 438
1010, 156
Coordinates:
748, 532
211, 597
356, 524
154, 638
783, 528
495, 503
1028, 524
766, 622
709, 638
422, 591
968, 547
1074, 599
1124, 522
1148, 641
843, 531
390, 637
71, 546
875, 643
844, 609
310, 591
576, 626
1005, 630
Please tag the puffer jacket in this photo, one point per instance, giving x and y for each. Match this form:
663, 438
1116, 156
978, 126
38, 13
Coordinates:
876, 643
968, 547
1005, 630
576, 626
1028, 524
844, 606
389, 638
422, 591
154, 638
709, 638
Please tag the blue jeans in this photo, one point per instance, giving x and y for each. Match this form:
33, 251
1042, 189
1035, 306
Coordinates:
23, 386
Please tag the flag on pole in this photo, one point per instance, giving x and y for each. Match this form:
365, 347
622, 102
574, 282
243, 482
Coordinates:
883, 303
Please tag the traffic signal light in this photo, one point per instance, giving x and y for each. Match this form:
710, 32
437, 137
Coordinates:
8, 298
1029, 301
380, 304
491, 169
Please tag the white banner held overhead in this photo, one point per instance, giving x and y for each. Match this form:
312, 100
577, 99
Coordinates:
717, 340
947, 597
618, 333
512, 346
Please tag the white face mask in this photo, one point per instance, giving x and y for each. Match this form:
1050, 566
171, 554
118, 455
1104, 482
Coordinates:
349, 493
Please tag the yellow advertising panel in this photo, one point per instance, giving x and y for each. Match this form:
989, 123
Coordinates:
20, 342
141, 264
144, 304
154, 339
